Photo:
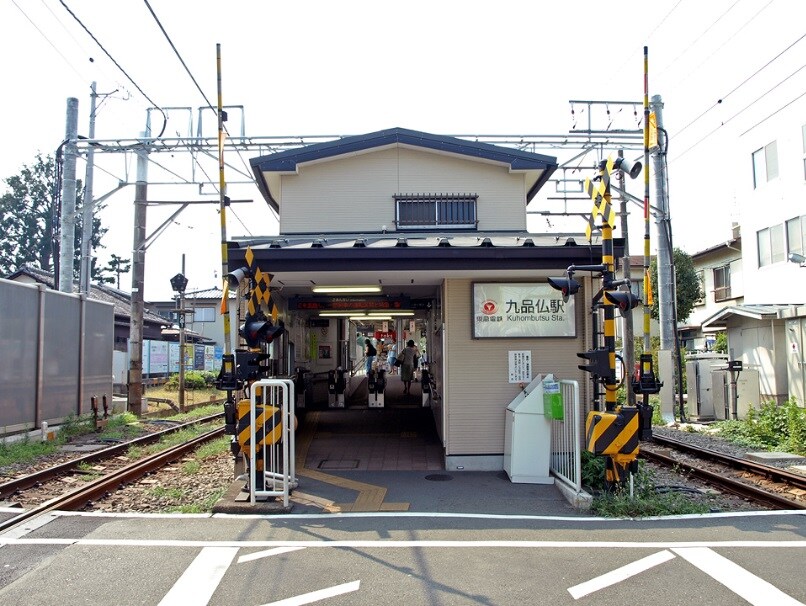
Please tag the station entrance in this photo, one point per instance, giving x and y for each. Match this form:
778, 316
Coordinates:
357, 409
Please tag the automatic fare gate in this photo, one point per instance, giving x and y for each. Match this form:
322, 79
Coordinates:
268, 421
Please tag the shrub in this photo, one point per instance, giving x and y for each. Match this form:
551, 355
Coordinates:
194, 379
771, 427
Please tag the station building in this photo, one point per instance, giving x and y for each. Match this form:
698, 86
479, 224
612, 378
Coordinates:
430, 234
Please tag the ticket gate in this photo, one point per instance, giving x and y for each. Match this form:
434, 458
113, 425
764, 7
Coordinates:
336, 384
376, 384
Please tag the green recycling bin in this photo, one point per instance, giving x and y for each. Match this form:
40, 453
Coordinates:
553, 400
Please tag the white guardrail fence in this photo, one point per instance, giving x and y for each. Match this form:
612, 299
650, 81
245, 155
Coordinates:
566, 454
277, 445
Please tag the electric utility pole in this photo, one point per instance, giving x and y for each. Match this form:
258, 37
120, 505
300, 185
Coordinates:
68, 211
138, 282
665, 274
87, 210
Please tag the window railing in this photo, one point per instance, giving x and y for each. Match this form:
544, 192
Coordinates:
722, 293
430, 211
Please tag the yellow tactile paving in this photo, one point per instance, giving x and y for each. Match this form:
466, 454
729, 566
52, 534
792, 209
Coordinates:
370, 497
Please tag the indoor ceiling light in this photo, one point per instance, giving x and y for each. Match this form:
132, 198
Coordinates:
391, 313
370, 317
346, 289
336, 314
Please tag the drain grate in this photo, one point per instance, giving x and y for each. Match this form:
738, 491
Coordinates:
439, 477
343, 464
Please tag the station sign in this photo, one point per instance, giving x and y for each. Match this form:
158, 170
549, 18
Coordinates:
521, 310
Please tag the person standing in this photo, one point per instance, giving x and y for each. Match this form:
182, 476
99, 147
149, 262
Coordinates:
392, 357
369, 353
410, 356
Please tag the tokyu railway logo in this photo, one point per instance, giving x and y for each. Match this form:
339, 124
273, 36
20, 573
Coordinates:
489, 307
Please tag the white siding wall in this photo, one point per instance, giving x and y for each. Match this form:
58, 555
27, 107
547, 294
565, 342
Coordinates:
354, 193
477, 390
771, 203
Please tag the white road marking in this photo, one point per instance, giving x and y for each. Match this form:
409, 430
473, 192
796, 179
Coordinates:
267, 553
384, 544
620, 574
746, 585
201, 579
416, 514
315, 596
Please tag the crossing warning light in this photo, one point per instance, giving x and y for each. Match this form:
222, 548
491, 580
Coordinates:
258, 329
624, 300
567, 286
599, 362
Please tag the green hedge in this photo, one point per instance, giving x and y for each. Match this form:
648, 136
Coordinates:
194, 379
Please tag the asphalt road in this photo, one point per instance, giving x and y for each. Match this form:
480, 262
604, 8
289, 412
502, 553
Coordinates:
400, 558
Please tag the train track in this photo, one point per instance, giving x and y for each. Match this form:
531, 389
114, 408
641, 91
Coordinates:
780, 477
103, 486
12, 487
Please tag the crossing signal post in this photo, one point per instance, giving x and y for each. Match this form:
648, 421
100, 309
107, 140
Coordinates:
615, 430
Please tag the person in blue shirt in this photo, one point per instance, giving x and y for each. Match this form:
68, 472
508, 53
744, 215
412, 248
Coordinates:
369, 353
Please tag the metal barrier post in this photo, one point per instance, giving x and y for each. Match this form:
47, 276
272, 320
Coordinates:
566, 455
273, 392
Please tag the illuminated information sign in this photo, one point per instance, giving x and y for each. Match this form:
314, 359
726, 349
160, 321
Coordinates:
520, 310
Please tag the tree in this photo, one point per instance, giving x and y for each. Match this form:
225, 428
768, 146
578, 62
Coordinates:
687, 284
117, 266
28, 213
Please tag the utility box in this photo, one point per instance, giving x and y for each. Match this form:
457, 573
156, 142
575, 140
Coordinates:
747, 392
527, 437
699, 368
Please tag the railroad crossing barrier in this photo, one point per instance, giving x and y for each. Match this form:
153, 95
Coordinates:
274, 439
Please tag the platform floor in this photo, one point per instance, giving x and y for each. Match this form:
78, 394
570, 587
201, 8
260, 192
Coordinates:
400, 436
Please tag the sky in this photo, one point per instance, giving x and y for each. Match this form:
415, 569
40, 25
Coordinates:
343, 68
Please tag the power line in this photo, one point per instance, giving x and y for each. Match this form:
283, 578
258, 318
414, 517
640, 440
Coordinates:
745, 81
628, 60
698, 38
112, 59
773, 113
66, 60
176, 52
187, 69
745, 108
721, 46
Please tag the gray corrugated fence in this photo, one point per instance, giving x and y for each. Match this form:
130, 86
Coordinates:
55, 354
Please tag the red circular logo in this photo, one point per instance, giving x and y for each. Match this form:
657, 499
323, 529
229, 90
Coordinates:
489, 307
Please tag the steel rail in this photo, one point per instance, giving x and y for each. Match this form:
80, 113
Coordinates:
79, 497
772, 473
733, 486
12, 486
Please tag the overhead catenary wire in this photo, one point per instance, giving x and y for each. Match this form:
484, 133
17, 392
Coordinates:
123, 71
189, 73
49, 41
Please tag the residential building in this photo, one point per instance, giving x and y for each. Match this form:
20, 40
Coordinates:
766, 324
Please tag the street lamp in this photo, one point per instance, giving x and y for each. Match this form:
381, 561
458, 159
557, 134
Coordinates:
179, 282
